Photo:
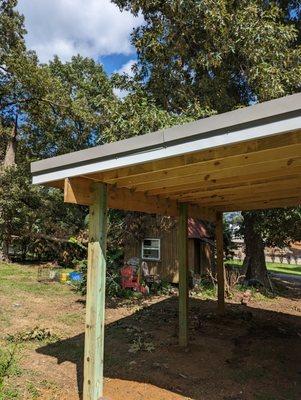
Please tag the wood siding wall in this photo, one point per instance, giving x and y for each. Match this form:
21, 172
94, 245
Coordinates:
167, 267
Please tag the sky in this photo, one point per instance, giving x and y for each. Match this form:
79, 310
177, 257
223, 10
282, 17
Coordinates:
92, 28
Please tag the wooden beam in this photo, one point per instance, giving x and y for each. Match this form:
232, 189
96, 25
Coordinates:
261, 205
183, 275
270, 166
257, 145
222, 183
95, 300
55, 184
247, 188
248, 197
210, 166
78, 191
220, 263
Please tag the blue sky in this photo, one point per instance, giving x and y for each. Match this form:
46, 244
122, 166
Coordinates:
116, 62
92, 28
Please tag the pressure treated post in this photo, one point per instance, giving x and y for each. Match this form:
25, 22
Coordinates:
95, 303
220, 263
183, 275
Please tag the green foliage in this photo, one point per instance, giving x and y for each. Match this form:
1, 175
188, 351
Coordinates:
161, 288
46, 110
229, 245
113, 280
33, 97
8, 367
205, 289
218, 55
279, 227
35, 220
15, 215
34, 334
136, 114
79, 121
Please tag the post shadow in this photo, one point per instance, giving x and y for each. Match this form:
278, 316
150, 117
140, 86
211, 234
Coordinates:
240, 333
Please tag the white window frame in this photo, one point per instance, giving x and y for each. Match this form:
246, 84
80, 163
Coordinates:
151, 248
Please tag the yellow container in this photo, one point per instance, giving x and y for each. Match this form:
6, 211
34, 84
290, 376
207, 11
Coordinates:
64, 277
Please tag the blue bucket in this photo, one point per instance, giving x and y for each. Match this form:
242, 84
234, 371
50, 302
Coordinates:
75, 276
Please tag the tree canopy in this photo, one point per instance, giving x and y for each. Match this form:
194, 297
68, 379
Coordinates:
202, 57
213, 56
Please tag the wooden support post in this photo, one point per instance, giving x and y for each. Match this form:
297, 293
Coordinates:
183, 274
220, 263
95, 303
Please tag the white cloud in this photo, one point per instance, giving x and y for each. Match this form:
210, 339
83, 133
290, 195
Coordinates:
121, 93
127, 68
67, 27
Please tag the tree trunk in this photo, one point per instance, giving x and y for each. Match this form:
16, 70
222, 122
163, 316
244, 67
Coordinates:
9, 161
254, 261
5, 251
11, 148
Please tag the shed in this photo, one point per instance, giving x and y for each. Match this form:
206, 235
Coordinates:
159, 247
245, 159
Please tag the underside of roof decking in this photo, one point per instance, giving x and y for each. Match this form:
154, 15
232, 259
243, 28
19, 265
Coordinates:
254, 164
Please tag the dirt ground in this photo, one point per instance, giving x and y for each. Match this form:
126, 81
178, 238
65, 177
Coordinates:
253, 353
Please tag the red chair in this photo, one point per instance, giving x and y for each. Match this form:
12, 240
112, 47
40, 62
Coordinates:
129, 278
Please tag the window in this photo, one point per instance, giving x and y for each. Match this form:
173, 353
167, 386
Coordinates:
151, 249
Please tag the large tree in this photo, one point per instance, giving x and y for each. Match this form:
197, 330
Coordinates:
50, 109
215, 55
275, 227
203, 57
44, 110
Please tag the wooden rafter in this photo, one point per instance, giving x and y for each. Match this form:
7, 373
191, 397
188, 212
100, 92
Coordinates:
285, 183
247, 194
261, 205
233, 181
237, 172
247, 160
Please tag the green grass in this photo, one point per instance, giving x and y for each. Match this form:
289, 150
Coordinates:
69, 319
9, 367
205, 291
33, 391
21, 278
289, 269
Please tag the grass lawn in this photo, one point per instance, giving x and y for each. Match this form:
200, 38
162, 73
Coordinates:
290, 269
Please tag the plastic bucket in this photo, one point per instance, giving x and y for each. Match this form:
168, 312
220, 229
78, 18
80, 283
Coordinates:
64, 277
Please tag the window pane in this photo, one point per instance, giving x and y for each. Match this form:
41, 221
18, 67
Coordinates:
149, 253
151, 243
151, 249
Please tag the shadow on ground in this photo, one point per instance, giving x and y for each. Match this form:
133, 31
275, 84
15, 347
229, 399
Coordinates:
248, 354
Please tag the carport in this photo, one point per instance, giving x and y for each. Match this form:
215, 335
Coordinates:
245, 159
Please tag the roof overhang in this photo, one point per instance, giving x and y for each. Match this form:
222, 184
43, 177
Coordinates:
225, 162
